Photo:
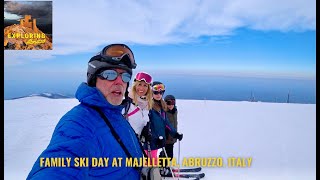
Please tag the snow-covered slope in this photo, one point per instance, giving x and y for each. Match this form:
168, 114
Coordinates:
280, 138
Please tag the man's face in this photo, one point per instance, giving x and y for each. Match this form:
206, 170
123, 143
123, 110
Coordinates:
114, 90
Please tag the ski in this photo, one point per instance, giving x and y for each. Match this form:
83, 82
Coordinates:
184, 175
164, 178
196, 169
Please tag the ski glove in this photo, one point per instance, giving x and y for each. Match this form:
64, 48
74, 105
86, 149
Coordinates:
148, 137
146, 133
178, 136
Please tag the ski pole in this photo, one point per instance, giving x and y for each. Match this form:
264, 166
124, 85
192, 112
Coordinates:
178, 158
149, 148
148, 142
165, 153
149, 155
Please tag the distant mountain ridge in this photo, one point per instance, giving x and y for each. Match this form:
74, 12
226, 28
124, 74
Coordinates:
46, 95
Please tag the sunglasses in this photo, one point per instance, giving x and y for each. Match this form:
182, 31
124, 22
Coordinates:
116, 53
142, 76
158, 92
112, 75
171, 102
158, 87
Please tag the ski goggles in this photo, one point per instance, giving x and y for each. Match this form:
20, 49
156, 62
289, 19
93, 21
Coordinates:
112, 75
171, 102
118, 54
158, 92
142, 76
158, 87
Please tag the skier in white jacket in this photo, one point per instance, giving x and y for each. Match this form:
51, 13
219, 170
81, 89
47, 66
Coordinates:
141, 96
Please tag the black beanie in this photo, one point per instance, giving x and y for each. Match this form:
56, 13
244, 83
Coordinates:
169, 97
156, 82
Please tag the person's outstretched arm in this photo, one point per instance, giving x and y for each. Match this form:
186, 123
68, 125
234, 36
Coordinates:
68, 144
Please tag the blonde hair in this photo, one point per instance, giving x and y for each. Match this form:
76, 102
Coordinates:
148, 95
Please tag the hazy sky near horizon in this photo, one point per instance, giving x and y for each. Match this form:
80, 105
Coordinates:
231, 37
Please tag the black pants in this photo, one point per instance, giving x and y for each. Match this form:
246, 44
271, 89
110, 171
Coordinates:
169, 150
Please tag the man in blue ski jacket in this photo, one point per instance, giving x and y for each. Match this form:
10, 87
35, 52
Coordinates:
82, 139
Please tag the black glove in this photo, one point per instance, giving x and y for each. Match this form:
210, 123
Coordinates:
161, 142
178, 136
148, 137
146, 134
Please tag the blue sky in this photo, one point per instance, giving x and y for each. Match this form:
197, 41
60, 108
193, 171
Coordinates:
259, 38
